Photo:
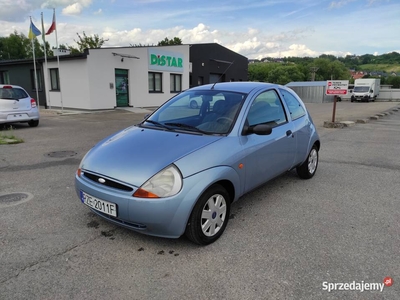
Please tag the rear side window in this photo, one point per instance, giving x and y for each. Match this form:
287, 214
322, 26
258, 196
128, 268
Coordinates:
295, 108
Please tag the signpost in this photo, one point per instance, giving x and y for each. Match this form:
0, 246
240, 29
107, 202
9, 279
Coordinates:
334, 88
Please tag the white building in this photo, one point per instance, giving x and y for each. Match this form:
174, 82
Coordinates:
106, 78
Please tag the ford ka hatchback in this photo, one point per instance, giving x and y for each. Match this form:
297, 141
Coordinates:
180, 169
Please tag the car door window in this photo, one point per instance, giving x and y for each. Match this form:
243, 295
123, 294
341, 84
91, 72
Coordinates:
266, 109
295, 108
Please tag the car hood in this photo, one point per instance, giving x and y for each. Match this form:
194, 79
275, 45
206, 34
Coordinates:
136, 154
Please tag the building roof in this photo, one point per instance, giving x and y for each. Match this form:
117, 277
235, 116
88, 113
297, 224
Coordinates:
41, 59
306, 83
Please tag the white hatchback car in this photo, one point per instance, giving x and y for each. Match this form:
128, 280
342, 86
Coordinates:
16, 106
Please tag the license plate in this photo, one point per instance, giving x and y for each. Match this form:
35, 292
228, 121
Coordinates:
98, 204
15, 117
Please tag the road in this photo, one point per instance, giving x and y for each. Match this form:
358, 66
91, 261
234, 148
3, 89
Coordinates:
283, 241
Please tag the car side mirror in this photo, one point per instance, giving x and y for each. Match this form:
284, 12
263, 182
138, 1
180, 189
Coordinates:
371, 91
260, 129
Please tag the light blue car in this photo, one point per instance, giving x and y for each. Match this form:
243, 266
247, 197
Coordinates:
180, 169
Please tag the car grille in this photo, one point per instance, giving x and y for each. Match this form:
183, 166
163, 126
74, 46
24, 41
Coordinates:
108, 182
119, 221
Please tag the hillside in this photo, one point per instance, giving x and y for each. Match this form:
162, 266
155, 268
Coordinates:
388, 68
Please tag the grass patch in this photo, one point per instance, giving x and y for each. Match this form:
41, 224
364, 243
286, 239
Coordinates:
8, 137
381, 67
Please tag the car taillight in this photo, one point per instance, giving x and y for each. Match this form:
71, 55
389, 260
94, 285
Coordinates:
33, 103
7, 87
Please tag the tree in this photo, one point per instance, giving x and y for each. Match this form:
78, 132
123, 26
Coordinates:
259, 71
166, 42
276, 73
394, 81
285, 74
16, 46
89, 42
330, 69
328, 56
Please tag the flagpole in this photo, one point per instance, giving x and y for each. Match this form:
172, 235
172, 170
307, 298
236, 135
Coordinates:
46, 70
58, 62
34, 69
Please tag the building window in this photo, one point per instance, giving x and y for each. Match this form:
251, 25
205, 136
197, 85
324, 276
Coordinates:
4, 77
155, 82
175, 83
200, 80
54, 80
38, 78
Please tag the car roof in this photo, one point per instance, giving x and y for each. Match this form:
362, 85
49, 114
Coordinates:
8, 85
237, 86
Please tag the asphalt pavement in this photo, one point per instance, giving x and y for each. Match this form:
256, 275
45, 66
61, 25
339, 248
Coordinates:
286, 240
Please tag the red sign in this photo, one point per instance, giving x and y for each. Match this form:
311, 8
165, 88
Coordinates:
336, 92
337, 87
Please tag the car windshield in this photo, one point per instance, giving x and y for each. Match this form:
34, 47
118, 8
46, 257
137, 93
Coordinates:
361, 89
204, 112
12, 93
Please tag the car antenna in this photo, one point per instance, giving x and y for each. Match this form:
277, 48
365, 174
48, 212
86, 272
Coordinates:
230, 64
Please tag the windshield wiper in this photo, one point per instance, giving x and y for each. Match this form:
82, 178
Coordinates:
187, 127
157, 124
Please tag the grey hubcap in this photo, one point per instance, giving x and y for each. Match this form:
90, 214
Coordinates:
213, 215
312, 161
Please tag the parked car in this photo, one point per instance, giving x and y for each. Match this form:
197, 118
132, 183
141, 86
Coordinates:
179, 170
16, 106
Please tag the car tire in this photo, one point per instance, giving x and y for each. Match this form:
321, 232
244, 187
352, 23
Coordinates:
210, 216
308, 168
33, 123
193, 104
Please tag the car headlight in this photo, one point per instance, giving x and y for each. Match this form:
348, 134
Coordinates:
166, 183
79, 171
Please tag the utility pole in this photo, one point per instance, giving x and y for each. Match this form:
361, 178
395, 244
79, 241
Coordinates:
313, 71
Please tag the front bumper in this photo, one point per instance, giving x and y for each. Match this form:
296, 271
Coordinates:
164, 217
360, 98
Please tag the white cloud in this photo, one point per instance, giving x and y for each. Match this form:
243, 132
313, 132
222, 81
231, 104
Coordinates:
253, 31
64, 3
339, 4
98, 12
73, 9
251, 45
13, 11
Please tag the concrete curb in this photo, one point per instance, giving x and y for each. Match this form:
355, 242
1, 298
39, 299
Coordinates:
343, 124
57, 112
65, 112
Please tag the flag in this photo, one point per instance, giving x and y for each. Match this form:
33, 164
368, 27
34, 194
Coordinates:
44, 40
53, 24
33, 31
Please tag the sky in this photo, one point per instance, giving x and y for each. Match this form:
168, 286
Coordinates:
253, 28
